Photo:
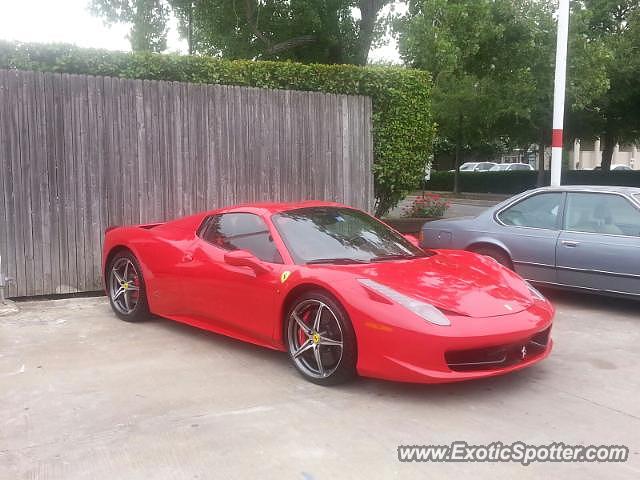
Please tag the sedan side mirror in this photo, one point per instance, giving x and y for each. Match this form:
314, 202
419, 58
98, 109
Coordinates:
243, 258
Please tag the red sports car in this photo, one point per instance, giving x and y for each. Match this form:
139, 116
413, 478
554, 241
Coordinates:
339, 290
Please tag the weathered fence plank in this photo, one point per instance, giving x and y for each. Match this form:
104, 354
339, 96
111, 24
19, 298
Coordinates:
81, 153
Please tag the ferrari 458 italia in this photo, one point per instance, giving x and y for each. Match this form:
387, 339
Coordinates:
337, 289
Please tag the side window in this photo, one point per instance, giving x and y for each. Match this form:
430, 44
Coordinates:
602, 213
538, 211
241, 231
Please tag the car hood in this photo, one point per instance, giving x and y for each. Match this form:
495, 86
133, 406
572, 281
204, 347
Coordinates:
456, 281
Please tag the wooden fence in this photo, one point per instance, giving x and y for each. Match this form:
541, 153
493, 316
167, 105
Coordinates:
80, 153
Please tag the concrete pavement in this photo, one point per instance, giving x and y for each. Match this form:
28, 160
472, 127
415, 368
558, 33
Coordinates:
84, 395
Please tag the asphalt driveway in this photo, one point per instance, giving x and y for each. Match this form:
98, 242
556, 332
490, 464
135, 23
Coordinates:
84, 395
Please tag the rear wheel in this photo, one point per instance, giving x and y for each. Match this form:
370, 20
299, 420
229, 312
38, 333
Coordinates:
497, 254
320, 339
126, 288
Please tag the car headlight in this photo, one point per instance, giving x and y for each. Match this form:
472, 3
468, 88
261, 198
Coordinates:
534, 291
423, 309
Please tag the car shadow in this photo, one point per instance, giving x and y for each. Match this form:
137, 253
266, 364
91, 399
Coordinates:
599, 303
279, 361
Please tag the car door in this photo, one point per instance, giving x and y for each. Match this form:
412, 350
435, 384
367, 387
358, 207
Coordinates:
236, 298
599, 247
530, 228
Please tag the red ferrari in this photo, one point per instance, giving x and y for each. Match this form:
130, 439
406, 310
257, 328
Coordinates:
339, 290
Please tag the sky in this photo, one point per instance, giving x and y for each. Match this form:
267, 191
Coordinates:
69, 21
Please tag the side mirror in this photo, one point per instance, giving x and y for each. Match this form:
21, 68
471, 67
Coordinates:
243, 258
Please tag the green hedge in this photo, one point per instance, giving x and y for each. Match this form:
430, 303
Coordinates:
520, 181
403, 128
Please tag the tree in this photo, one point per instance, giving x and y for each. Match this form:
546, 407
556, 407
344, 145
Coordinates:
308, 31
148, 20
493, 64
613, 25
480, 53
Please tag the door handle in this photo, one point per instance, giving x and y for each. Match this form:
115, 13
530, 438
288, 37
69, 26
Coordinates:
568, 243
187, 258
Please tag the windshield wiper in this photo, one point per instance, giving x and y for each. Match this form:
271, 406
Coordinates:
337, 261
399, 256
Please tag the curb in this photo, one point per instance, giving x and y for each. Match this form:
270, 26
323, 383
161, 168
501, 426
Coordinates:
8, 308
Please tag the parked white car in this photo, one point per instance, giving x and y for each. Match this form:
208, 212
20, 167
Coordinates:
476, 167
618, 166
503, 167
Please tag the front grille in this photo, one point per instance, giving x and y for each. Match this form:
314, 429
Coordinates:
500, 356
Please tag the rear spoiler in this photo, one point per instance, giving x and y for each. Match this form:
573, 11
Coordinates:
146, 226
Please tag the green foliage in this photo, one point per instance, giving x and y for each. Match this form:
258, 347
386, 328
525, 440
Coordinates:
427, 205
613, 26
493, 67
519, 181
308, 31
148, 19
402, 125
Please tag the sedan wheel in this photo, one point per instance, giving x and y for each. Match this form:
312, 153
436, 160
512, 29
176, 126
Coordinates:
320, 339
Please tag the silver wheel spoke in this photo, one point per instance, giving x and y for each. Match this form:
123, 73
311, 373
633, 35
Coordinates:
133, 288
119, 292
303, 348
126, 301
126, 270
301, 324
329, 341
115, 273
316, 353
316, 321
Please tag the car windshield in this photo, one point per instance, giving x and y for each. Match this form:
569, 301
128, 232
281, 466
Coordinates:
467, 166
498, 168
340, 235
485, 166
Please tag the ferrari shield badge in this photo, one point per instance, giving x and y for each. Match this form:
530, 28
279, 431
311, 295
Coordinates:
284, 276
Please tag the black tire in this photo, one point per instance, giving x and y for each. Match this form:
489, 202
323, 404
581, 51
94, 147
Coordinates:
136, 290
339, 368
497, 254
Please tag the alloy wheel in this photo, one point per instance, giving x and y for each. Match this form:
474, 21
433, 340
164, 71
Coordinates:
315, 339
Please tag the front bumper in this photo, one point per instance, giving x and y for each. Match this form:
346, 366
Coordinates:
471, 348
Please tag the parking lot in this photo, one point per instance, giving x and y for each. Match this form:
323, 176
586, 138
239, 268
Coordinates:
84, 395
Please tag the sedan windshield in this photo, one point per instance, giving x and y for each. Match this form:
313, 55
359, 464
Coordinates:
340, 236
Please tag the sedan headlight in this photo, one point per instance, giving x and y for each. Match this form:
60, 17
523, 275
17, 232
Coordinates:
534, 291
423, 309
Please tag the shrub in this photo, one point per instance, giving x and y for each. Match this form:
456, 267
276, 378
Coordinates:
403, 128
427, 205
519, 181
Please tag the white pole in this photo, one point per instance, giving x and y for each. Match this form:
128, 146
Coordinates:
559, 90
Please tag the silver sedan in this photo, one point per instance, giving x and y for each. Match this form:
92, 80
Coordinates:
580, 237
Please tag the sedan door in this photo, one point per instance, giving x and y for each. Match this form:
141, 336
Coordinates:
599, 247
530, 228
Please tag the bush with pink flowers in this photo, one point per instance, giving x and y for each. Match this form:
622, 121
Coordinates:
427, 205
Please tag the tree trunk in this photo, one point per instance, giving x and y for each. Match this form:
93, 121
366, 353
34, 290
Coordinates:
190, 29
456, 175
607, 152
541, 145
368, 15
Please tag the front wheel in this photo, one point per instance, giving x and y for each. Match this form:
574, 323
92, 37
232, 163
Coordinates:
126, 288
320, 339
